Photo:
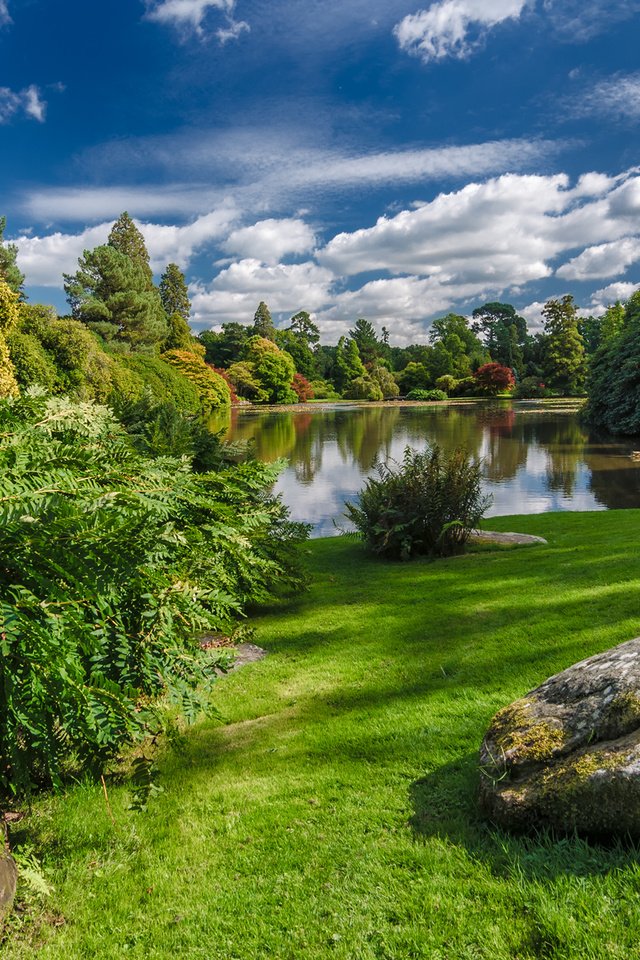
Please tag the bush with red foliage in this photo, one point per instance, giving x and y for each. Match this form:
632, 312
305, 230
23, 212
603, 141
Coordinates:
494, 378
225, 376
302, 387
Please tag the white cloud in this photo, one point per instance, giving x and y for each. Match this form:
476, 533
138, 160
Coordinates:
34, 105
602, 261
45, 259
616, 98
533, 315
271, 240
603, 298
576, 21
4, 13
236, 291
453, 28
82, 204
28, 101
191, 14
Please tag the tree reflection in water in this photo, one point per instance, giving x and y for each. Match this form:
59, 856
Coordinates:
535, 459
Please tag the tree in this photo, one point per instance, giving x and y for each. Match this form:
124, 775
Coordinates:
180, 336
303, 327
111, 293
364, 335
227, 347
174, 293
414, 377
9, 271
347, 365
504, 333
385, 380
494, 378
262, 323
613, 386
564, 360
126, 238
273, 369
465, 351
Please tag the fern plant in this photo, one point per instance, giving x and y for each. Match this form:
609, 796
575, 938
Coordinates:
111, 565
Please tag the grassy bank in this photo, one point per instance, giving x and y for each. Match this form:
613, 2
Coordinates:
333, 813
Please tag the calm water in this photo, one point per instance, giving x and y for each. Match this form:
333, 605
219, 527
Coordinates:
536, 459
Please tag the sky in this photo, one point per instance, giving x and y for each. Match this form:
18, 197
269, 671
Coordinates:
389, 159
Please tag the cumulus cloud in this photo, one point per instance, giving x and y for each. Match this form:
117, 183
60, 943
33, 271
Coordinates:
271, 240
28, 102
603, 298
191, 14
45, 259
453, 28
237, 290
602, 261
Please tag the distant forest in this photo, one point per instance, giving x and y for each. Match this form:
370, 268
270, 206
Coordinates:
127, 337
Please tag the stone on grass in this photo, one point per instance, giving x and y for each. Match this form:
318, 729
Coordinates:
8, 878
567, 755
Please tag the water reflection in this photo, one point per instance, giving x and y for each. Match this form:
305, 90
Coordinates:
535, 459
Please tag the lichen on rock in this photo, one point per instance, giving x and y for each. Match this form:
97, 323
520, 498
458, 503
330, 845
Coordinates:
567, 755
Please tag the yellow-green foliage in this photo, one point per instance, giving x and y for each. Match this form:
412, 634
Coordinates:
8, 319
212, 389
32, 363
140, 373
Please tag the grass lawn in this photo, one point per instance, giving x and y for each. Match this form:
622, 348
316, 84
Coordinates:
333, 814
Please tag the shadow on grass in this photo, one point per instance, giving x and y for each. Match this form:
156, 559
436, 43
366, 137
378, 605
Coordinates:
445, 807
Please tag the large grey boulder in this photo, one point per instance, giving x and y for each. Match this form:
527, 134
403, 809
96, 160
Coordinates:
567, 755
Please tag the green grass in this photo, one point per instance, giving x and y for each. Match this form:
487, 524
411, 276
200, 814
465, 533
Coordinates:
333, 815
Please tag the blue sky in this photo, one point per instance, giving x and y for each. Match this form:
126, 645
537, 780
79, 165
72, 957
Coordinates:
392, 159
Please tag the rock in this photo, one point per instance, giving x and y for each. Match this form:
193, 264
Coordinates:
493, 536
567, 755
8, 878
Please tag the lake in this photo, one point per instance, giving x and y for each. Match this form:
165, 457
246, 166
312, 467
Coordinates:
536, 457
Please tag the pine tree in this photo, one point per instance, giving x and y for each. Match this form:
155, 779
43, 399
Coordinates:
564, 361
9, 271
126, 238
110, 292
262, 323
174, 293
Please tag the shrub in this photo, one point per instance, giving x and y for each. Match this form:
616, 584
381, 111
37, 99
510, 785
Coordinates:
427, 395
323, 390
302, 388
494, 378
446, 383
363, 388
530, 388
227, 379
213, 390
155, 376
112, 564
427, 506
32, 363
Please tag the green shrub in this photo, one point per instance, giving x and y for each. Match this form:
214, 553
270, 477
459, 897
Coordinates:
428, 505
32, 363
323, 390
162, 380
446, 383
427, 395
530, 388
363, 388
112, 565
213, 390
